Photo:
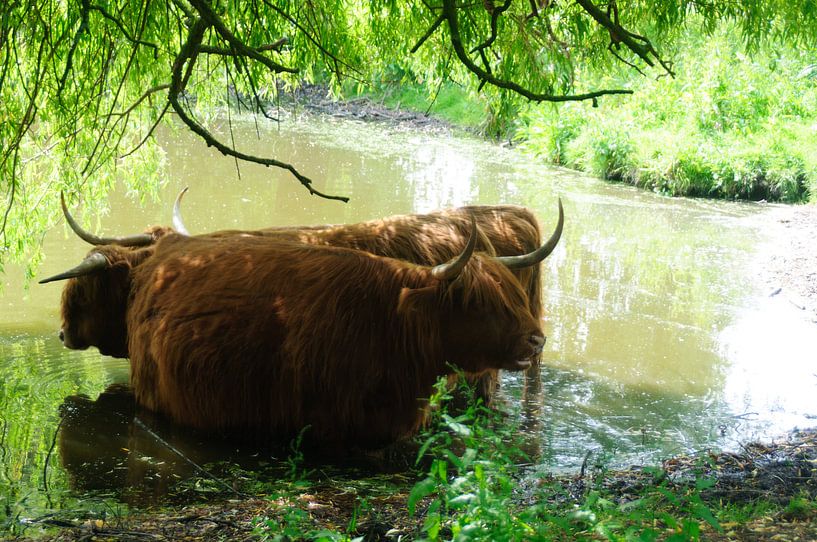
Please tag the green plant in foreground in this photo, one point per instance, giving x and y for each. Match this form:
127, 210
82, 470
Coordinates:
471, 491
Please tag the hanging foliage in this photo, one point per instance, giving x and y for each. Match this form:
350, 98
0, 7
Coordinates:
85, 83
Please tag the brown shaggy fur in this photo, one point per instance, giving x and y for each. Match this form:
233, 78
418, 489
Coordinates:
431, 239
93, 308
265, 336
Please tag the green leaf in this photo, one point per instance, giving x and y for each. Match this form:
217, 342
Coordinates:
421, 489
461, 501
424, 448
703, 512
457, 427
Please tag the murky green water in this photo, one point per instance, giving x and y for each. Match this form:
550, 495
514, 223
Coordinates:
661, 337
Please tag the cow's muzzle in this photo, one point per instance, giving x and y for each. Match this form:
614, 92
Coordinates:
535, 344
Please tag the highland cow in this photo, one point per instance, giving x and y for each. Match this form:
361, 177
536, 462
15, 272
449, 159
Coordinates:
430, 239
265, 336
426, 239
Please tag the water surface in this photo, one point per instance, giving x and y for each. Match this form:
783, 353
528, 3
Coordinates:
662, 337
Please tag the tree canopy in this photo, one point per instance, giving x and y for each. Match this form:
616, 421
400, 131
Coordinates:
85, 83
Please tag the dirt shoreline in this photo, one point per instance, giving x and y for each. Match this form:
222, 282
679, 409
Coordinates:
790, 266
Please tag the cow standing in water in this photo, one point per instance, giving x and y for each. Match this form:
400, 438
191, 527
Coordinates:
263, 336
507, 231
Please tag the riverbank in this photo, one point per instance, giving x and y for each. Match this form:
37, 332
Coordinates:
791, 266
775, 483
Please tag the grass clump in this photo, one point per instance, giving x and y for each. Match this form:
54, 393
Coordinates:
729, 125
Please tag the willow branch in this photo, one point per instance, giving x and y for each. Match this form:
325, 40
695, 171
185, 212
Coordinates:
69, 61
639, 45
207, 14
309, 36
141, 99
450, 14
259, 103
188, 54
495, 13
440, 20
276, 46
121, 27
150, 132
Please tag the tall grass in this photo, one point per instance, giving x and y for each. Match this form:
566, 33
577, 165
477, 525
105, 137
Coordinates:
475, 490
730, 125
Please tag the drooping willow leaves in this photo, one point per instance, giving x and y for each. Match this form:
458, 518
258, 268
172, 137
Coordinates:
85, 83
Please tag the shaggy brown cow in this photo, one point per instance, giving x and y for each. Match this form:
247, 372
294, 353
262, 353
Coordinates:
286, 335
426, 239
430, 239
265, 336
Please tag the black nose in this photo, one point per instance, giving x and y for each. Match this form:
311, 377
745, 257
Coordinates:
537, 342
62, 336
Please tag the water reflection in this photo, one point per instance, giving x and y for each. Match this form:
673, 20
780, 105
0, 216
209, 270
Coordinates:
110, 444
660, 339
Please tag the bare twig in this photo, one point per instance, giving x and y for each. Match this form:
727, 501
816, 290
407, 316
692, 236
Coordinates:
178, 452
48, 456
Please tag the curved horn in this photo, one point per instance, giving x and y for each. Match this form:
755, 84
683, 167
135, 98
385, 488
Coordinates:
452, 269
92, 263
137, 240
532, 258
178, 223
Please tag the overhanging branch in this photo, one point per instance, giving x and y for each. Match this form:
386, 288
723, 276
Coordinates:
639, 45
187, 55
450, 15
207, 14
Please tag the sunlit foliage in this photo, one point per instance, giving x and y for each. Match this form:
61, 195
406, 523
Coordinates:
732, 124
83, 84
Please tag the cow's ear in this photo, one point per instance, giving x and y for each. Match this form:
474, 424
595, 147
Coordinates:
416, 300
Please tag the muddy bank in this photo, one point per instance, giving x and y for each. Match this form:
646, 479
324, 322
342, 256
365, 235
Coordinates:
790, 266
316, 100
774, 471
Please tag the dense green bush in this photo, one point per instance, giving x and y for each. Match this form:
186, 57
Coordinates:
730, 125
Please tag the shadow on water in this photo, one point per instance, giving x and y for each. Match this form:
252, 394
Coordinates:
110, 446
